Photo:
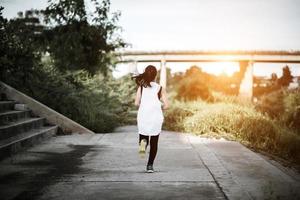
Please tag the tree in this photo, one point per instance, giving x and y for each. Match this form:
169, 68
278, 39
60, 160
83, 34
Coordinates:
192, 85
80, 40
99, 103
274, 78
19, 48
286, 77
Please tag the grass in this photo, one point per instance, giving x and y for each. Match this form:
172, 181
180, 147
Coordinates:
234, 121
283, 106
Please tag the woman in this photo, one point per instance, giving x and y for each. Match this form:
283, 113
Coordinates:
150, 116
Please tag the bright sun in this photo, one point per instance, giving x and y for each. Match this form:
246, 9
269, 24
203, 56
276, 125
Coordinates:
218, 68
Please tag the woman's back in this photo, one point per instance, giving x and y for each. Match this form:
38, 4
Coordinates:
150, 96
150, 116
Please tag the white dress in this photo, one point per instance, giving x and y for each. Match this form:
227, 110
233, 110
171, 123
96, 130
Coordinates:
150, 116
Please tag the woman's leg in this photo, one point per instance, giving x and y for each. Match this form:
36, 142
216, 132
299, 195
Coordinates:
146, 137
153, 149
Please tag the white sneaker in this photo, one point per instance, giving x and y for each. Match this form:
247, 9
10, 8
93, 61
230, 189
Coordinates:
142, 148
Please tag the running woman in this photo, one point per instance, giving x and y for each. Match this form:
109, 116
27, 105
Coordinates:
151, 98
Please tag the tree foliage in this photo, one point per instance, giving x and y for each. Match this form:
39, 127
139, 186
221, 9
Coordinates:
286, 77
64, 63
20, 53
81, 40
192, 85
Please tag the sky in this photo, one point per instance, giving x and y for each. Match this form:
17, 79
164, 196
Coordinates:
202, 25
211, 24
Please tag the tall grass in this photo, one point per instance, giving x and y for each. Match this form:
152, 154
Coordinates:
283, 106
235, 122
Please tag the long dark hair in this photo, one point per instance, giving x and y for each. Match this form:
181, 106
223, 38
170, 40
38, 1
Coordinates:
145, 78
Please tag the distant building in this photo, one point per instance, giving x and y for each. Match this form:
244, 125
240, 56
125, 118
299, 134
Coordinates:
295, 83
262, 81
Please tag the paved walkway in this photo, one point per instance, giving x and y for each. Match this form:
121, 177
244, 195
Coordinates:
107, 166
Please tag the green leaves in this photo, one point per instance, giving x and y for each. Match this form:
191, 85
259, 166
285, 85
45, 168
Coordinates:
19, 47
191, 86
74, 38
64, 12
66, 62
79, 40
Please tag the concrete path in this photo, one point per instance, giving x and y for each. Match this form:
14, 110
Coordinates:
107, 166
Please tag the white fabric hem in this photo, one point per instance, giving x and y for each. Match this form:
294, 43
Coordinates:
149, 134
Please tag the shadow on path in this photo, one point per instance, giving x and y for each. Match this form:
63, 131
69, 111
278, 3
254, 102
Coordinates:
60, 165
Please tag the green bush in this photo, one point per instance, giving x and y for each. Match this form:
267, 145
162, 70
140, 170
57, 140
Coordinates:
178, 112
98, 102
235, 122
70, 79
233, 99
192, 88
291, 115
284, 106
271, 104
191, 85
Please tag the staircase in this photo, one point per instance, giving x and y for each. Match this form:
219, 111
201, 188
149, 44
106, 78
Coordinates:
20, 128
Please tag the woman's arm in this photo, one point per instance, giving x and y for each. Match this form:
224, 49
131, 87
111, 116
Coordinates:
138, 97
164, 98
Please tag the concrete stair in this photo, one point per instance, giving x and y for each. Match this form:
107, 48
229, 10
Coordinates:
19, 128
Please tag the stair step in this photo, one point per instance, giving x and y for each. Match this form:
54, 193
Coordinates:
13, 115
14, 144
21, 107
6, 105
20, 126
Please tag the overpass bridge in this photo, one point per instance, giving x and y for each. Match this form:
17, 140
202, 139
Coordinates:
246, 60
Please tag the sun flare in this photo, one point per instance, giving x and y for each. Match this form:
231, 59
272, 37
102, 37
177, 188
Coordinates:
217, 68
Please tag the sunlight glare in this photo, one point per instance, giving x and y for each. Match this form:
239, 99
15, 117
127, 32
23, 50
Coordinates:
217, 68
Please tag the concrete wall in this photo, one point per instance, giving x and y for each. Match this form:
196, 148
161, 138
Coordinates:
53, 117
